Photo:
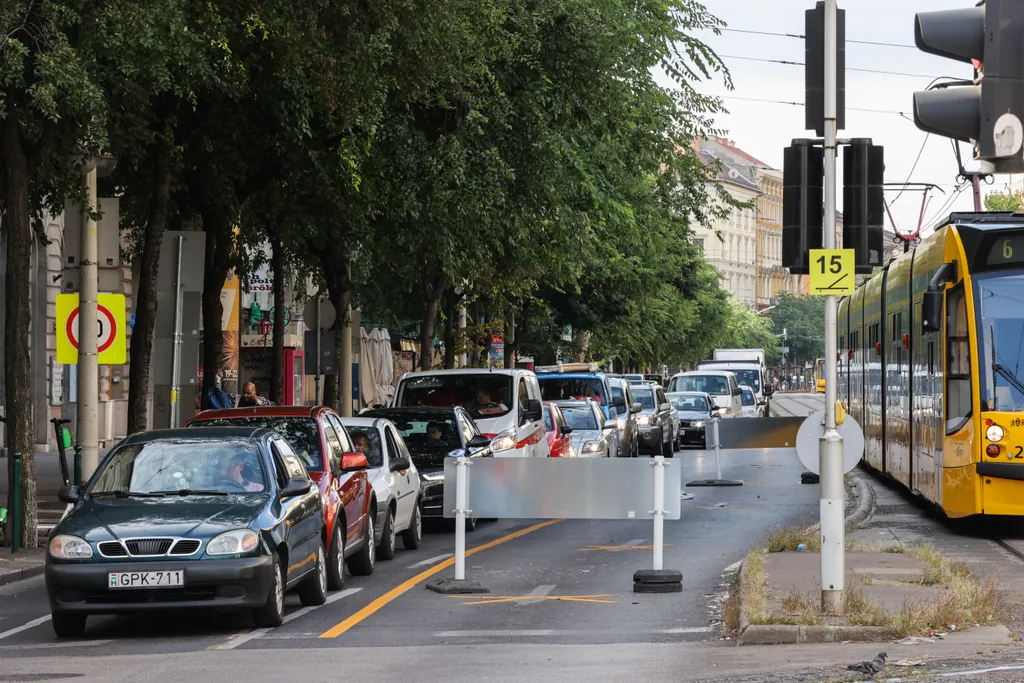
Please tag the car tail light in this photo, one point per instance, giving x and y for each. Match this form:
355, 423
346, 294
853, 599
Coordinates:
992, 450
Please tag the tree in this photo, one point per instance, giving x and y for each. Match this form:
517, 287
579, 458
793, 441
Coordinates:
803, 320
1004, 201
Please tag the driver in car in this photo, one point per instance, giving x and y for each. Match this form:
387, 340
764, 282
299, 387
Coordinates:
435, 438
234, 467
483, 399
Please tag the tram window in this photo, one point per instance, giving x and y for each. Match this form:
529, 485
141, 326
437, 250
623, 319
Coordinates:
958, 363
931, 358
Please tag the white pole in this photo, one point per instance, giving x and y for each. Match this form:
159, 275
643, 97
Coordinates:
88, 344
461, 503
659, 511
831, 445
316, 401
718, 449
345, 364
462, 327
176, 351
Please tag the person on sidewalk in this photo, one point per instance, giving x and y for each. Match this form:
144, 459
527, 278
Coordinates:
250, 397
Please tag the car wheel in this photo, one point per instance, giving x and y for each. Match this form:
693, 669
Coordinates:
363, 563
314, 589
336, 557
387, 541
68, 625
412, 536
272, 613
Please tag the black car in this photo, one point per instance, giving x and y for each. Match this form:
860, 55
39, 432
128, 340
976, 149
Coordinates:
696, 409
190, 518
433, 434
657, 427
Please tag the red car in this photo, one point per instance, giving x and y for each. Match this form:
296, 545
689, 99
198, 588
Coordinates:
321, 441
559, 442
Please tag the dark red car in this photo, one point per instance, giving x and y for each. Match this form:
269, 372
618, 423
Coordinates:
559, 442
321, 441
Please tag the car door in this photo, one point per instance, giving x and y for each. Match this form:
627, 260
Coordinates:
352, 485
400, 481
298, 516
539, 449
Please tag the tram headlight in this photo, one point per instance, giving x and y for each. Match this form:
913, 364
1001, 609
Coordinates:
994, 433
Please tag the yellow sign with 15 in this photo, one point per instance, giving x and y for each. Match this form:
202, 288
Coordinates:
832, 272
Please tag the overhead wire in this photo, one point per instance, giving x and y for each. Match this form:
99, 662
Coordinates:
800, 104
801, 37
849, 68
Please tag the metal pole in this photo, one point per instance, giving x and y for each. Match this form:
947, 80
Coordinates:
830, 452
718, 448
317, 399
975, 181
88, 330
345, 366
461, 503
462, 328
78, 466
659, 511
16, 506
176, 354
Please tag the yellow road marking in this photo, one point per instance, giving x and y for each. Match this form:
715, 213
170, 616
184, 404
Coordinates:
302, 563
234, 635
622, 547
381, 601
490, 600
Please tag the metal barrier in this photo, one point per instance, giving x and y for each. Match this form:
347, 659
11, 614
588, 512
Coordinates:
760, 432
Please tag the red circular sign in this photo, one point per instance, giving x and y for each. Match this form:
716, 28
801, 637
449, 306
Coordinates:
102, 310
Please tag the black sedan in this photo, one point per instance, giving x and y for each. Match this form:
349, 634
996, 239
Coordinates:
186, 518
433, 434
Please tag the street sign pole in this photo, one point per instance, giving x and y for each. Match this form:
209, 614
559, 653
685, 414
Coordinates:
88, 346
831, 444
318, 333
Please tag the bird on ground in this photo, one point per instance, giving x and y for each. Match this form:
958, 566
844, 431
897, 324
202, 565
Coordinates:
870, 666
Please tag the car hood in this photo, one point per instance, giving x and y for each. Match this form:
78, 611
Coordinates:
693, 415
584, 435
186, 516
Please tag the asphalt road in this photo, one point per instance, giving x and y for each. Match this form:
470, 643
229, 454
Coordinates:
553, 583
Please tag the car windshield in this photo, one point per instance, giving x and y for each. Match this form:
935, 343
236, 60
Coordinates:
557, 388
695, 404
617, 392
644, 396
366, 440
580, 417
427, 436
747, 397
301, 433
716, 385
1001, 331
751, 378
165, 466
484, 395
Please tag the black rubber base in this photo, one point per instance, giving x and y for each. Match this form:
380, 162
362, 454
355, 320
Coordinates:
658, 581
453, 587
809, 478
715, 482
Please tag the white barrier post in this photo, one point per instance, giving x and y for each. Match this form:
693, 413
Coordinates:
459, 584
659, 511
717, 481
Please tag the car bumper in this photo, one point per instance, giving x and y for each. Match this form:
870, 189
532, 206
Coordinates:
692, 435
83, 588
651, 437
432, 500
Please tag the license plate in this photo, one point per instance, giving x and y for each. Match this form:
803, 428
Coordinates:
165, 579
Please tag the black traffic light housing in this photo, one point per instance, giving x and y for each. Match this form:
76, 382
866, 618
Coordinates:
863, 203
987, 113
814, 69
802, 204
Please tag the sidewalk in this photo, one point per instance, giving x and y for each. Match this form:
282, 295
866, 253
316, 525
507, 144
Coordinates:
25, 565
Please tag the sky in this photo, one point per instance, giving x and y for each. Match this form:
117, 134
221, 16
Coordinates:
764, 129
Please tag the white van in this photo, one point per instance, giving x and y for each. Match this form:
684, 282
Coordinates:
720, 384
750, 373
505, 404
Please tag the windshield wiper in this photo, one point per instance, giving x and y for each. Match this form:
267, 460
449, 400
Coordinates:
1010, 377
121, 493
194, 492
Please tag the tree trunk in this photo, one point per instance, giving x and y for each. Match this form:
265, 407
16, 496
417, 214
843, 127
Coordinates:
215, 272
449, 331
277, 359
334, 260
433, 293
511, 340
17, 363
141, 349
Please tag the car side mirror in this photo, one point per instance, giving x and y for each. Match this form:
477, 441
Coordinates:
69, 494
400, 464
533, 411
566, 430
637, 408
479, 441
296, 487
619, 401
353, 462
931, 312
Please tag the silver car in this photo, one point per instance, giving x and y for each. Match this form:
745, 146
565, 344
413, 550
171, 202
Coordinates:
592, 435
694, 410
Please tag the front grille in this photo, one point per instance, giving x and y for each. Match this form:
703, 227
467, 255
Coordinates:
112, 549
131, 596
185, 546
433, 490
141, 547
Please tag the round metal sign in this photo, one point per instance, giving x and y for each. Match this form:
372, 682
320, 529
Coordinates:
327, 314
809, 436
1007, 135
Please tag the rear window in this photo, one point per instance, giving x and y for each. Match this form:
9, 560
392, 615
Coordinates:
715, 385
483, 395
689, 403
747, 397
581, 418
644, 396
556, 388
617, 392
301, 433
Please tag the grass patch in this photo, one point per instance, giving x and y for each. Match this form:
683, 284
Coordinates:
894, 549
731, 607
754, 587
787, 540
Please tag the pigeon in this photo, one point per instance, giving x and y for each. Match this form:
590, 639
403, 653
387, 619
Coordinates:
871, 666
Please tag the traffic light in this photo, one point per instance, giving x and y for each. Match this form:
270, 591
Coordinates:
863, 205
814, 69
802, 204
987, 113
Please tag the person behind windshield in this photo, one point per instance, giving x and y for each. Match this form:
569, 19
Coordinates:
481, 399
435, 437
233, 471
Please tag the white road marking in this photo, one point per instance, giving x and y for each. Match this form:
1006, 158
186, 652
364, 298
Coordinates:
242, 638
689, 629
734, 567
539, 591
430, 560
63, 643
24, 627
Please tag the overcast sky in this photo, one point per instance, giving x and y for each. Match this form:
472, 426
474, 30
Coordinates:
763, 129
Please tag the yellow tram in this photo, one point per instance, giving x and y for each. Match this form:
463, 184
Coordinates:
931, 351
819, 375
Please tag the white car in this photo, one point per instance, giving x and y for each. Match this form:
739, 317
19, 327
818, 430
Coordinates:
721, 384
751, 406
395, 480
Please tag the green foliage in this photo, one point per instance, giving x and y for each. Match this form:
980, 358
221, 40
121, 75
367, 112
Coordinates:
1004, 201
803, 319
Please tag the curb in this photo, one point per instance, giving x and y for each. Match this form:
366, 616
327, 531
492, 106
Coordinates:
14, 575
786, 634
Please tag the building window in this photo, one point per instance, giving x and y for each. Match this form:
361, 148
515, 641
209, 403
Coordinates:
699, 241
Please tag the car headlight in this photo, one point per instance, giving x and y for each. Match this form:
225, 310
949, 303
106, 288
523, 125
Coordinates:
592, 447
65, 547
620, 423
698, 423
233, 542
505, 441
994, 433
433, 476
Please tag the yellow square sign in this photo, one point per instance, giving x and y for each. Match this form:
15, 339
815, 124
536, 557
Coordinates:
832, 272
111, 335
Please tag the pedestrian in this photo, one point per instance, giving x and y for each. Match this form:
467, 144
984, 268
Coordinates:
251, 398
